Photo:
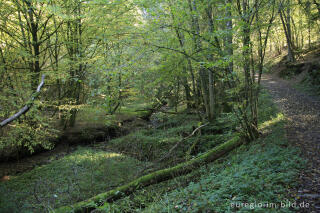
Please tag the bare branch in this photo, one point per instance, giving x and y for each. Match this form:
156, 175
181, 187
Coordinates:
173, 148
26, 108
179, 142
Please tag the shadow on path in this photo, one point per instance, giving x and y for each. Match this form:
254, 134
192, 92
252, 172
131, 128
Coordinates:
303, 131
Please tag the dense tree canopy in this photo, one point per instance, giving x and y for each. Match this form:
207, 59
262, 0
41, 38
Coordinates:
202, 53
63, 60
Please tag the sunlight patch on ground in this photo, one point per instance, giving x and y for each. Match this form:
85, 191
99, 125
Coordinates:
279, 117
75, 177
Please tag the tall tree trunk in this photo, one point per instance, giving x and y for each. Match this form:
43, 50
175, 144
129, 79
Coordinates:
286, 23
78, 58
196, 97
180, 38
228, 38
197, 44
211, 83
187, 90
246, 59
249, 103
290, 47
35, 64
211, 96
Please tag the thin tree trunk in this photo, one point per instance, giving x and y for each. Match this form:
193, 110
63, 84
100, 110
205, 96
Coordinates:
187, 90
211, 96
228, 39
197, 44
180, 38
286, 23
35, 64
211, 83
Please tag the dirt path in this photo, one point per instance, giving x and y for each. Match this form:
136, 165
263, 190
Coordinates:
303, 130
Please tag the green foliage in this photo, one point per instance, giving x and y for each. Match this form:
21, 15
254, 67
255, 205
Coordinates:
153, 143
261, 172
34, 132
108, 62
75, 177
311, 82
166, 130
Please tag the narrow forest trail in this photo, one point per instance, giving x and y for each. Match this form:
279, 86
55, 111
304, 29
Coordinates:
303, 131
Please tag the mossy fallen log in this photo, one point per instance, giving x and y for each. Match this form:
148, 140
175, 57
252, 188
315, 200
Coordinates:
152, 178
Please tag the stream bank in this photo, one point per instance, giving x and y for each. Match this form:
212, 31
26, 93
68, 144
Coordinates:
14, 162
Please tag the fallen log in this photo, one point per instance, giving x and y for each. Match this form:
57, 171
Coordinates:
179, 142
152, 178
169, 153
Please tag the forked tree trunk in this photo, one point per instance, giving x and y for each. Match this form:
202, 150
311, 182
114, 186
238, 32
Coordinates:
286, 23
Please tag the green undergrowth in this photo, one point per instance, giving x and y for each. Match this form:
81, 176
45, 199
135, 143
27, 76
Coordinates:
75, 177
135, 106
307, 87
165, 130
90, 171
259, 173
97, 115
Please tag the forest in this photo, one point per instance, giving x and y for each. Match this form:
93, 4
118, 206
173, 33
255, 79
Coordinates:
159, 106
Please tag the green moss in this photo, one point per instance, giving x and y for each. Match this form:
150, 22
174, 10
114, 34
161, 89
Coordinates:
75, 177
151, 144
262, 171
158, 176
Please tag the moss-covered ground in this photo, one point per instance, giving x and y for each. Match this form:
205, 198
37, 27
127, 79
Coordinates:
262, 171
257, 177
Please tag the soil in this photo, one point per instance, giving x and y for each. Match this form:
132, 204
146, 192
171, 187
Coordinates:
68, 143
15, 167
303, 131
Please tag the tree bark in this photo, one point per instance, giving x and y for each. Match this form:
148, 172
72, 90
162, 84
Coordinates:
211, 83
26, 108
197, 45
153, 178
286, 23
180, 38
228, 43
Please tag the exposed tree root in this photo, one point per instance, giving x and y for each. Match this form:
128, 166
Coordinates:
152, 178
